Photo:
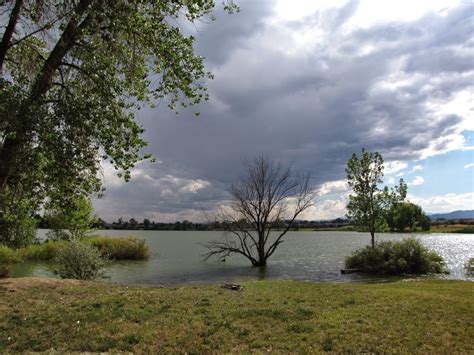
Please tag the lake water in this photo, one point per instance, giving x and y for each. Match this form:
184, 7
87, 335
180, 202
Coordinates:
176, 258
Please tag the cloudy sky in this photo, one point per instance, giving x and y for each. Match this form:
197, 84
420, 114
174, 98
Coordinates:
311, 82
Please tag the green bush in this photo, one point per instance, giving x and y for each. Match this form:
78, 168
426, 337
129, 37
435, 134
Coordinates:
470, 267
127, 248
41, 252
7, 257
407, 256
80, 261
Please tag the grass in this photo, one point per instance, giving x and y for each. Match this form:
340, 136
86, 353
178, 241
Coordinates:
448, 228
452, 228
124, 248
432, 316
41, 252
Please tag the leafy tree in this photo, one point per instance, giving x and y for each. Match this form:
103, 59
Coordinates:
70, 221
17, 223
268, 193
407, 215
72, 75
368, 205
132, 222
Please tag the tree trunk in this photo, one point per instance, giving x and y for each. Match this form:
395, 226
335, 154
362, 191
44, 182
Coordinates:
262, 260
7, 157
372, 235
11, 146
9, 30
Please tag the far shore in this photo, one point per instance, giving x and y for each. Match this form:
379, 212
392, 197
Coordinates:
447, 228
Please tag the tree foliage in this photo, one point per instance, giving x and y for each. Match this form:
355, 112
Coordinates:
265, 203
369, 203
70, 221
17, 224
407, 216
73, 74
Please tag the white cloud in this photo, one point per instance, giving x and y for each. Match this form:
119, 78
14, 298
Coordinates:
393, 167
467, 166
445, 203
373, 12
416, 168
194, 186
331, 187
417, 181
326, 209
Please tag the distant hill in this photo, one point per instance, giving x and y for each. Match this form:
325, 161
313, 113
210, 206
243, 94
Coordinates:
453, 215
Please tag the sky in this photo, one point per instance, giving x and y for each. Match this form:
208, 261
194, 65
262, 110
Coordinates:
309, 83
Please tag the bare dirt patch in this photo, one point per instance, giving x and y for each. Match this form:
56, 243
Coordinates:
19, 283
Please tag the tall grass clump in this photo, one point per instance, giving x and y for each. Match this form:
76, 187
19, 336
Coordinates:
41, 252
7, 258
407, 256
127, 248
80, 261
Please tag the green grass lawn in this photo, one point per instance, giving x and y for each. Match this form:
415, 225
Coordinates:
283, 316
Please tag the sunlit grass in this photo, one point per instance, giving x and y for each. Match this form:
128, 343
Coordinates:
402, 317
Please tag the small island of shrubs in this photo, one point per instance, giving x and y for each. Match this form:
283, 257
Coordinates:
407, 256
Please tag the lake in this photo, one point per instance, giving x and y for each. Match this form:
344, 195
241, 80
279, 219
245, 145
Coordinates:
176, 258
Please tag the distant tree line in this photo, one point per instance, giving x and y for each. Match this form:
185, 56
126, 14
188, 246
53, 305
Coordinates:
147, 224
445, 221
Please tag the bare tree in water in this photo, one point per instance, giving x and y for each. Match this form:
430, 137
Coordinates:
265, 203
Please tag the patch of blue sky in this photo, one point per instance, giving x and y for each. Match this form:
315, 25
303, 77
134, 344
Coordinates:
452, 172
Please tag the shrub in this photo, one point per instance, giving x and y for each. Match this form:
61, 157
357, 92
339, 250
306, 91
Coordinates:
407, 256
470, 267
128, 248
80, 261
41, 252
7, 257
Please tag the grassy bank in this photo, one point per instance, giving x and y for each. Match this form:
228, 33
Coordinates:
449, 228
406, 317
453, 228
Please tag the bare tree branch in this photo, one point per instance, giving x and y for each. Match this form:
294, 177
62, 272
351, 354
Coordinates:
261, 202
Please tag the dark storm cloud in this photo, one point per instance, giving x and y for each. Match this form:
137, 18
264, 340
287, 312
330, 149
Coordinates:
217, 45
312, 107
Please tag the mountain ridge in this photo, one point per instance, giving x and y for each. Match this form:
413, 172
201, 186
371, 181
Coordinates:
458, 214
